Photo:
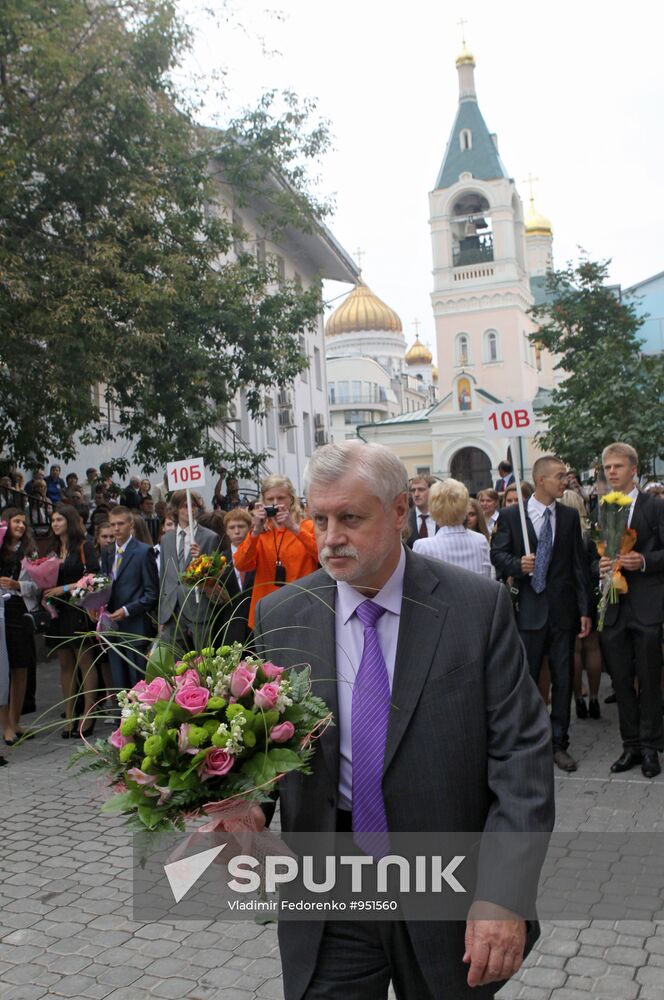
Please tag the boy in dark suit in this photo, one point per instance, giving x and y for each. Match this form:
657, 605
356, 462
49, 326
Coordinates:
554, 588
632, 636
132, 566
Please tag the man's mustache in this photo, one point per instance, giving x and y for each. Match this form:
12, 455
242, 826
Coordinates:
345, 551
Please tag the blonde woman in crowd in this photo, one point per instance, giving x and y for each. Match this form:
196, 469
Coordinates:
453, 543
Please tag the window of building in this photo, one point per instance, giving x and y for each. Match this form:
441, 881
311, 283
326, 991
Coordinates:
304, 374
423, 470
290, 440
331, 392
318, 371
491, 352
261, 253
244, 417
466, 139
358, 417
342, 396
270, 433
281, 268
238, 233
527, 349
306, 432
462, 349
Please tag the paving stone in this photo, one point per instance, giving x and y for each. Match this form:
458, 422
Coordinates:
173, 988
650, 975
582, 966
546, 978
557, 946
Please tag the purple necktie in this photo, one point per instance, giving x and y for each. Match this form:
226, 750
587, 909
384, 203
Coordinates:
369, 717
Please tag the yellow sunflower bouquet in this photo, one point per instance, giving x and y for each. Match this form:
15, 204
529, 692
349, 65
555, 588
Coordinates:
616, 541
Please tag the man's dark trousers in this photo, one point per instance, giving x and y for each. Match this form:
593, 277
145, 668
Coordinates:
558, 645
633, 650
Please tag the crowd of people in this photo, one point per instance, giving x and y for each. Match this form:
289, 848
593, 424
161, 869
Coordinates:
555, 587
140, 537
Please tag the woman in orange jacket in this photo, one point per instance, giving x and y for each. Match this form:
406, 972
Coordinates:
281, 546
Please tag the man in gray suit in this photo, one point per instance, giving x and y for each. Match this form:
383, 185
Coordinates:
183, 621
465, 744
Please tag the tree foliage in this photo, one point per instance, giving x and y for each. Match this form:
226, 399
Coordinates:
610, 390
115, 258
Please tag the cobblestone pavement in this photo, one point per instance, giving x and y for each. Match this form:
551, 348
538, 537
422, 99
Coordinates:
65, 907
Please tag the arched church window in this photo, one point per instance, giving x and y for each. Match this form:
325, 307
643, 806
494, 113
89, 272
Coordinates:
462, 349
491, 352
466, 139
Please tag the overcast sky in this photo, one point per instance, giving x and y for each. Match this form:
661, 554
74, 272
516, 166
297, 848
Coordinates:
574, 91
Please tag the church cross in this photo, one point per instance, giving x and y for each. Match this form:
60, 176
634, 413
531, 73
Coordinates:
530, 180
417, 324
462, 24
359, 254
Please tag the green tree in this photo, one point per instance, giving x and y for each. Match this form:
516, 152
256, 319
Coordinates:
610, 390
115, 266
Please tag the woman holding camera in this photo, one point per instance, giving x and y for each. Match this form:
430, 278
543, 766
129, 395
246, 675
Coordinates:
281, 546
18, 595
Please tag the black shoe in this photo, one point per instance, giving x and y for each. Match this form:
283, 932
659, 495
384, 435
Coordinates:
611, 700
626, 761
69, 734
28, 708
3, 761
581, 708
650, 766
564, 761
593, 709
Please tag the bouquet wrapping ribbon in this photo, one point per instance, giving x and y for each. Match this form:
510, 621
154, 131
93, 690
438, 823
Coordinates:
4, 656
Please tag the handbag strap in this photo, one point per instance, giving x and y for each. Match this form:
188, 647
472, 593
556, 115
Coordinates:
82, 557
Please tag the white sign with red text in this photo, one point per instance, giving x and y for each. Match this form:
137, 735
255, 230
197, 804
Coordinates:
509, 420
189, 474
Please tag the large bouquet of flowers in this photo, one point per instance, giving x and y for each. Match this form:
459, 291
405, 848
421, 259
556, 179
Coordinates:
205, 572
616, 541
44, 573
92, 591
214, 726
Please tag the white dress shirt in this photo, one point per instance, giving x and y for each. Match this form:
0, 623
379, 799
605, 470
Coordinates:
349, 635
633, 494
429, 521
457, 545
187, 541
536, 514
238, 574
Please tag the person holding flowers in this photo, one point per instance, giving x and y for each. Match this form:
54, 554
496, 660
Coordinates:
280, 548
18, 594
631, 635
66, 633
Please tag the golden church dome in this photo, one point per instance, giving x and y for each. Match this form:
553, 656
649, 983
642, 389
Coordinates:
418, 354
535, 223
362, 310
465, 57
434, 374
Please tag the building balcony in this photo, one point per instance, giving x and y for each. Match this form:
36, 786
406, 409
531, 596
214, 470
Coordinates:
353, 399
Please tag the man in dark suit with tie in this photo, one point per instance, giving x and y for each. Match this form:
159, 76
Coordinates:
632, 636
420, 521
506, 477
554, 588
438, 727
184, 620
132, 566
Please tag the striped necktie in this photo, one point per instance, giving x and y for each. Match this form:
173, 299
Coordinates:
118, 562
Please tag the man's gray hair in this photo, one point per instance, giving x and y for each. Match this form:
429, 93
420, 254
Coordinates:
375, 465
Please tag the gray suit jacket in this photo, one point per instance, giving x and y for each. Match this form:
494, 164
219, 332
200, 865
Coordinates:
468, 745
173, 596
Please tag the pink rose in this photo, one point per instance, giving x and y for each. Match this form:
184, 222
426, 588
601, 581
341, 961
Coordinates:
217, 763
194, 699
272, 671
139, 689
188, 677
266, 696
156, 690
242, 680
282, 733
117, 740
140, 777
